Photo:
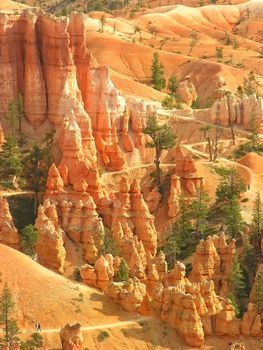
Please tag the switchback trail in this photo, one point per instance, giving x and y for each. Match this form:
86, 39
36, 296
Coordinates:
95, 327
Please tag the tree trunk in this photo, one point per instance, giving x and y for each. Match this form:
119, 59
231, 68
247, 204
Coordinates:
233, 133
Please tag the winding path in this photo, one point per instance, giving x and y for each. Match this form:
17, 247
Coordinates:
96, 327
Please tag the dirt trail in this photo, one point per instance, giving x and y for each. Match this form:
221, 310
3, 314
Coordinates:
96, 327
14, 193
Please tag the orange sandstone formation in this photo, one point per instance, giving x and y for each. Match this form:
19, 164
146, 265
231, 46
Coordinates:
71, 337
8, 232
235, 110
2, 136
50, 245
213, 261
187, 91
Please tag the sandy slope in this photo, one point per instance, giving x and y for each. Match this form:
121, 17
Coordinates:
44, 296
11, 5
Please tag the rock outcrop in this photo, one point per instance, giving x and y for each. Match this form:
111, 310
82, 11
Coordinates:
240, 111
50, 245
173, 199
213, 260
187, 91
71, 337
8, 233
2, 136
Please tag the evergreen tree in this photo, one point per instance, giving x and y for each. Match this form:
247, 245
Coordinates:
231, 184
35, 171
178, 244
253, 137
199, 213
237, 286
20, 110
233, 218
48, 148
157, 73
29, 237
123, 272
110, 245
250, 84
173, 85
12, 116
162, 137
257, 231
194, 40
10, 159
34, 342
7, 308
258, 291
249, 262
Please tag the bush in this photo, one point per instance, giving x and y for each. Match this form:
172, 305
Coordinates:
77, 275
36, 341
29, 237
123, 272
103, 335
168, 102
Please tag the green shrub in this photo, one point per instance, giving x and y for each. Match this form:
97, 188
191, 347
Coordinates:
103, 335
123, 272
77, 275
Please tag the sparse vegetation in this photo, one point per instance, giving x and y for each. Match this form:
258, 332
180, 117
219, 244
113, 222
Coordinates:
29, 237
7, 321
157, 73
162, 138
103, 335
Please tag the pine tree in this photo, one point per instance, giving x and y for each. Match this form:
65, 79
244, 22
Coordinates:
249, 262
20, 110
237, 286
194, 40
253, 137
233, 218
157, 73
123, 272
36, 170
178, 242
173, 85
10, 159
110, 245
258, 291
199, 213
162, 137
7, 308
12, 116
29, 237
250, 84
48, 148
257, 231
231, 185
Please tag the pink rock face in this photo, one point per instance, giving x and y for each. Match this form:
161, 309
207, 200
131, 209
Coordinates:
213, 260
2, 136
54, 180
175, 191
50, 245
8, 233
187, 91
251, 322
233, 110
226, 322
71, 337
